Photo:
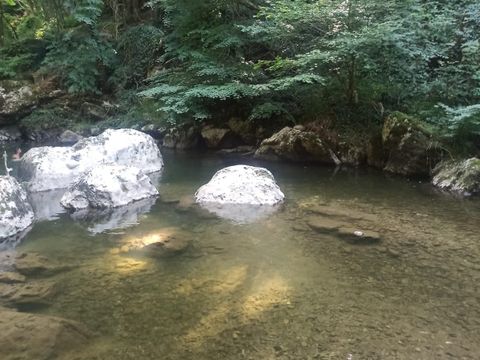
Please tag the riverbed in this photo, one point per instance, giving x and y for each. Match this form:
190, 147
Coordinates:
270, 286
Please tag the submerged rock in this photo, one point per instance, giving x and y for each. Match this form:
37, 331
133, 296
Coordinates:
37, 293
164, 242
9, 277
47, 168
33, 264
16, 213
295, 145
29, 336
458, 176
410, 147
343, 229
109, 186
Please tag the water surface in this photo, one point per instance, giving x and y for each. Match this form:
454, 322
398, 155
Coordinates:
273, 288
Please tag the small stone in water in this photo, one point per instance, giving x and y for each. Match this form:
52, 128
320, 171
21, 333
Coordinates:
358, 233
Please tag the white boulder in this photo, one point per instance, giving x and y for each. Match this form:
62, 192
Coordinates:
16, 213
240, 193
108, 186
47, 168
241, 184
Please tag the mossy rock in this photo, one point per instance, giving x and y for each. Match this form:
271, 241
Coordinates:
410, 146
459, 176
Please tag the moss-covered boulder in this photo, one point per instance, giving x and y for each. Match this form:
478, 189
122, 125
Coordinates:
295, 145
409, 146
459, 176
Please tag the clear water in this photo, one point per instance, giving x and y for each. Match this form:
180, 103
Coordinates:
274, 288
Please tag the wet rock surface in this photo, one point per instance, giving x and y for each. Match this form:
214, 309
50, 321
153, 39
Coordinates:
458, 176
16, 213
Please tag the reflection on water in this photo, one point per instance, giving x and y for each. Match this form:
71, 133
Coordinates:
99, 221
46, 204
274, 288
241, 213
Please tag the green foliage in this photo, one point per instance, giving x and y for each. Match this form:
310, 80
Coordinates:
460, 125
80, 58
269, 61
50, 118
139, 48
21, 56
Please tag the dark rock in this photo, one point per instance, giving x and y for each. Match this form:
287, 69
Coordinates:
458, 176
352, 154
244, 130
69, 137
156, 132
94, 111
216, 138
375, 152
10, 134
182, 139
295, 145
410, 147
17, 99
244, 150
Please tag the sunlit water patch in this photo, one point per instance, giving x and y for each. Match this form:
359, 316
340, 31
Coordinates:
294, 284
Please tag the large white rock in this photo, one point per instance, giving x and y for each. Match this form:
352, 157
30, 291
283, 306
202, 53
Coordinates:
16, 213
241, 184
47, 168
108, 186
241, 193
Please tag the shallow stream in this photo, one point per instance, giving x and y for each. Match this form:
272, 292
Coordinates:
273, 288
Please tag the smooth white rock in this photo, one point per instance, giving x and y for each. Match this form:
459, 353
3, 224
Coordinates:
241, 193
241, 184
47, 168
16, 213
108, 186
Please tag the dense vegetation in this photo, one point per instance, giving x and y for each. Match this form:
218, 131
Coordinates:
281, 61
